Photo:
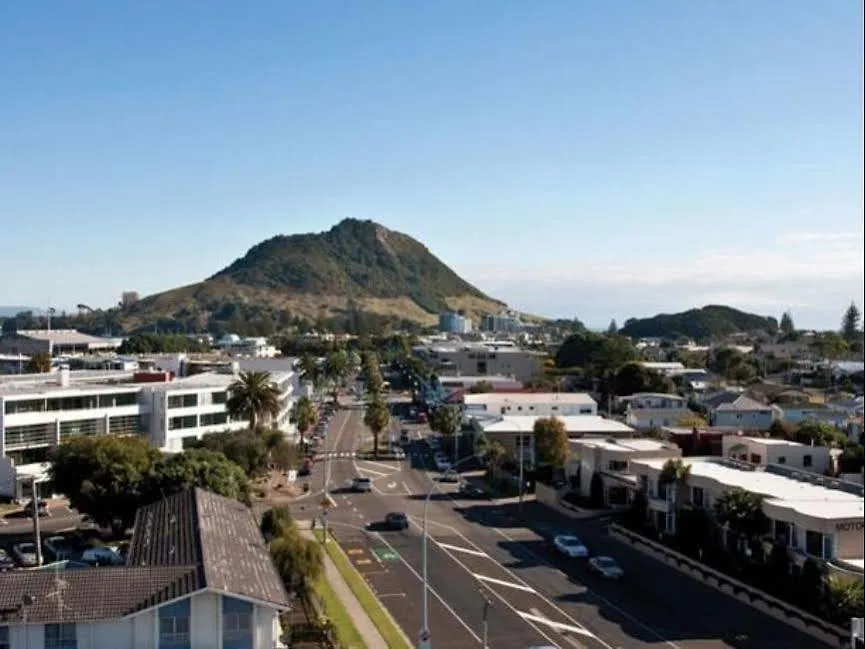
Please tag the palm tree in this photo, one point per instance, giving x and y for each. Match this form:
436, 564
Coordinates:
675, 474
448, 420
377, 418
741, 513
308, 367
304, 415
255, 397
335, 370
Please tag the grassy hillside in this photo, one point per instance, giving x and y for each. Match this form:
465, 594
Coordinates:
703, 324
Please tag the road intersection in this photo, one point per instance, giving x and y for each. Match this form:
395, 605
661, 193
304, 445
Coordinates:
481, 549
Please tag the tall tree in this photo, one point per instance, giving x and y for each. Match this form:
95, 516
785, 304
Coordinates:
613, 328
298, 560
551, 441
304, 415
255, 397
850, 322
632, 378
39, 363
741, 512
197, 467
676, 474
376, 418
786, 328
308, 366
336, 366
103, 476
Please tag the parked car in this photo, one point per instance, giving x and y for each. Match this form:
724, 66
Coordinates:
442, 464
468, 490
6, 562
571, 546
449, 475
102, 556
398, 453
396, 521
25, 554
59, 547
606, 567
404, 436
361, 484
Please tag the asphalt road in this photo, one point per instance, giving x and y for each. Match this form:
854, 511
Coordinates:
537, 596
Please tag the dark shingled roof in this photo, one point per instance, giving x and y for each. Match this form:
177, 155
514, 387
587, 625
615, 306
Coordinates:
88, 594
197, 527
184, 543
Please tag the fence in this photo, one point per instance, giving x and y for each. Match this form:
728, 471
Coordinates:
820, 629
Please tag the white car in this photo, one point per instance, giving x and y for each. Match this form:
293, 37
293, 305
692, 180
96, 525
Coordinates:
571, 546
103, 556
442, 465
606, 567
25, 553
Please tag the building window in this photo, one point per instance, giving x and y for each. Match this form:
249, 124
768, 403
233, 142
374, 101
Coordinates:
585, 411
81, 427
697, 496
807, 460
755, 458
177, 423
60, 636
174, 625
782, 459
32, 435
219, 397
813, 543
27, 405
618, 465
828, 547
214, 419
236, 624
183, 401
4, 638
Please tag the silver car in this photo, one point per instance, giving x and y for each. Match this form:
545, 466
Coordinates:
606, 567
25, 554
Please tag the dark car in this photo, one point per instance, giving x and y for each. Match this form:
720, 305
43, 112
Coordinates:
468, 490
42, 508
396, 521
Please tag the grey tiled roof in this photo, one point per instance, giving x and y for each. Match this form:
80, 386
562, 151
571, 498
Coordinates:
182, 544
196, 527
88, 594
743, 404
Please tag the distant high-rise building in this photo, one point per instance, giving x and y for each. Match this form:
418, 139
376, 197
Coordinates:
454, 323
504, 322
128, 298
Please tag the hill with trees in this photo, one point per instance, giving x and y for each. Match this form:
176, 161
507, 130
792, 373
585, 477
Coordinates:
704, 324
356, 266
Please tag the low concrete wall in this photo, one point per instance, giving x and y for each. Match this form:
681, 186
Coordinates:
795, 617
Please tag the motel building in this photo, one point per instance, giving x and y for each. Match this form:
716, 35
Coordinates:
814, 516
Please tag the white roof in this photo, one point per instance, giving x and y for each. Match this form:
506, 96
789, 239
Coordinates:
768, 441
525, 398
804, 498
65, 337
80, 382
576, 424
624, 445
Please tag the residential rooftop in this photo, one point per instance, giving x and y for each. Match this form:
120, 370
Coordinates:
64, 337
624, 445
577, 424
801, 496
89, 381
524, 398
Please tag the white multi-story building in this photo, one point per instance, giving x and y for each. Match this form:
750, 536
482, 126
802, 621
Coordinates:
37, 412
454, 323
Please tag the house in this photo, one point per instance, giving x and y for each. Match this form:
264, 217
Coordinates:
516, 432
610, 460
734, 410
766, 450
697, 441
542, 404
646, 410
813, 516
198, 575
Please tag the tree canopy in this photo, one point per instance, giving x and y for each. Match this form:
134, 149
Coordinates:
551, 441
196, 467
596, 353
39, 363
304, 415
786, 328
741, 511
632, 378
850, 322
447, 420
377, 419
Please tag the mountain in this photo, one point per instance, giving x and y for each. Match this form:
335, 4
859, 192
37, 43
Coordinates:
703, 324
354, 266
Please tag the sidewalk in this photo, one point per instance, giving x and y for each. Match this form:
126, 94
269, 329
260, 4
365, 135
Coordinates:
371, 637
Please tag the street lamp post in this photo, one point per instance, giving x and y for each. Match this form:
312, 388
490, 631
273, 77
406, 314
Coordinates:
487, 605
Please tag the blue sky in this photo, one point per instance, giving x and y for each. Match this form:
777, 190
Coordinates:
596, 159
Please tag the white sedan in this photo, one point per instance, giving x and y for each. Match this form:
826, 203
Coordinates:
571, 546
606, 567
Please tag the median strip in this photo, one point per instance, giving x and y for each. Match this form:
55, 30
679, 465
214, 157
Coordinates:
380, 617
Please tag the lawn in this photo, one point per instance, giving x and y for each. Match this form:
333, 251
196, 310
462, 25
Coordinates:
346, 633
370, 603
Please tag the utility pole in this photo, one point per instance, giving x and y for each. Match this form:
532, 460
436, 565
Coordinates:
522, 474
37, 533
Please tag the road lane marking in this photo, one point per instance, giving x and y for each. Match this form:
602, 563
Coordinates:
502, 582
456, 548
354, 551
363, 562
382, 465
380, 474
407, 490
380, 595
595, 594
535, 616
432, 590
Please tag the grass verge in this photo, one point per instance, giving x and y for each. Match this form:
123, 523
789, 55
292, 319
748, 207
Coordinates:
382, 620
347, 634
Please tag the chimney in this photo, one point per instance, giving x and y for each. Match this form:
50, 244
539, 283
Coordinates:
64, 376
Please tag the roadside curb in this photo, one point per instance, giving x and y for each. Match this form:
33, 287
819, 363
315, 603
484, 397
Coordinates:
362, 622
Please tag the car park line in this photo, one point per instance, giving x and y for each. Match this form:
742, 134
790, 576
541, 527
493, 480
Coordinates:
457, 548
502, 582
